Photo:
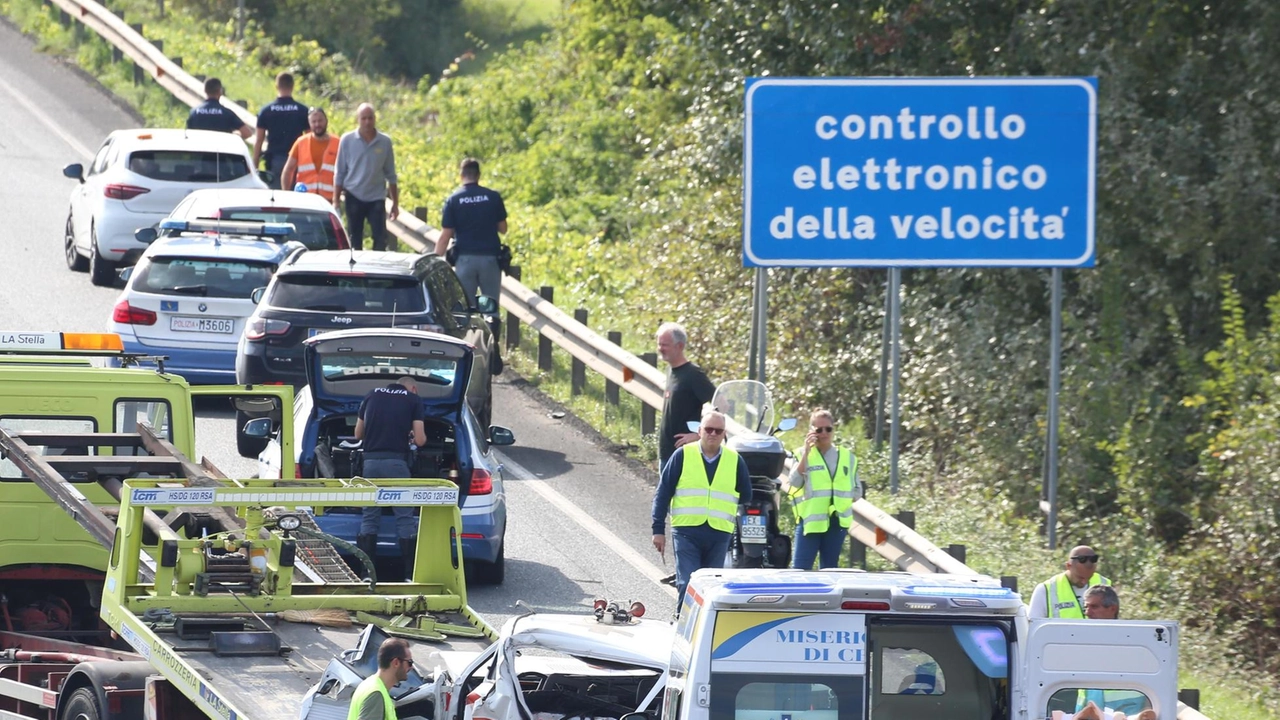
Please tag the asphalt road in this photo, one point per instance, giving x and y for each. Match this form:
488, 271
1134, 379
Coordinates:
578, 526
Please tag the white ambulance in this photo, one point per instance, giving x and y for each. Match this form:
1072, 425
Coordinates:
851, 645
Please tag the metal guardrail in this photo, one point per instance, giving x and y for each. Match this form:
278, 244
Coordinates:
872, 526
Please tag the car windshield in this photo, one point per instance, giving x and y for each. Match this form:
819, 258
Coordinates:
188, 165
348, 293
202, 277
314, 228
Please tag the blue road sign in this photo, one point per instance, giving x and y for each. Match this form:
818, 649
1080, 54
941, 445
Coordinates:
940, 172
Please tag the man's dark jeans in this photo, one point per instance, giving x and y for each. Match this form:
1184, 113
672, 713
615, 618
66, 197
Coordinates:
375, 212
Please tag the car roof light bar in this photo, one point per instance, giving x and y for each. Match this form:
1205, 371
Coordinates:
230, 227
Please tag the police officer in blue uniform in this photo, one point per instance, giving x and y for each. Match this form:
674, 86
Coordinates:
475, 215
280, 123
387, 417
213, 115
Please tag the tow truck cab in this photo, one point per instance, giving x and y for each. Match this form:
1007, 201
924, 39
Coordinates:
49, 384
851, 645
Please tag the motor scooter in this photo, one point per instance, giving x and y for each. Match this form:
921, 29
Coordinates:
757, 539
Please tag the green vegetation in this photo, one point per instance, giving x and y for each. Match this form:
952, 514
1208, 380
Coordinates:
617, 140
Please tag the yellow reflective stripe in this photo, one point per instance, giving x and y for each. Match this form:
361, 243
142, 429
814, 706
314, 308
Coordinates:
724, 497
687, 492
688, 511
843, 493
720, 515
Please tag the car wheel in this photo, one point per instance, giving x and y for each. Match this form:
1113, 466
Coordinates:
492, 573
102, 272
248, 447
75, 261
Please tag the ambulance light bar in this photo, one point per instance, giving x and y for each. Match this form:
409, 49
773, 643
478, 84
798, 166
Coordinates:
948, 591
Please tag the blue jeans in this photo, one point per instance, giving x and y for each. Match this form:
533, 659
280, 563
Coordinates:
371, 517
697, 547
829, 543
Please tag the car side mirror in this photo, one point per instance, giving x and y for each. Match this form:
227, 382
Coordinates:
146, 235
256, 295
499, 435
125, 274
75, 171
486, 304
267, 176
258, 428
693, 425
786, 424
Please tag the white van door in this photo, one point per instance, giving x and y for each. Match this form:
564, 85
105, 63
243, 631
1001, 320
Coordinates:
1118, 657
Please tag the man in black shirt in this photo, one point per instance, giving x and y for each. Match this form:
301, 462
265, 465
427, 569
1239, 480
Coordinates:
688, 389
475, 215
280, 123
213, 115
386, 418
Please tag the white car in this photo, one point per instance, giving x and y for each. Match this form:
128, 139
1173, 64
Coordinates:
316, 222
188, 297
136, 179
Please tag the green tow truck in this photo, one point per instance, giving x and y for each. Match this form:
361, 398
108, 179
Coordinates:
135, 582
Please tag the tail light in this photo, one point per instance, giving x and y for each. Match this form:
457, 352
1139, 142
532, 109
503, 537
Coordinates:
340, 233
429, 327
258, 328
481, 482
127, 314
753, 511
297, 471
121, 191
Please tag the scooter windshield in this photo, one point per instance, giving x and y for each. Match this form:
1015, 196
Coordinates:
746, 402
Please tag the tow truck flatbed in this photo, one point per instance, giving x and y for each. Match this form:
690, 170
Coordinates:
222, 611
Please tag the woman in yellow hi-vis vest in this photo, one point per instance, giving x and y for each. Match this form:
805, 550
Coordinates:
822, 488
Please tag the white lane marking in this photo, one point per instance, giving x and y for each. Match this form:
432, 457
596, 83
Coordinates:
588, 523
48, 122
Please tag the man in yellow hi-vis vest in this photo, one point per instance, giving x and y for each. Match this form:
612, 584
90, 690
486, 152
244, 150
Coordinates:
372, 698
1061, 595
702, 485
822, 488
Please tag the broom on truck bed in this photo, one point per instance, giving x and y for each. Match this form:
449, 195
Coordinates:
325, 617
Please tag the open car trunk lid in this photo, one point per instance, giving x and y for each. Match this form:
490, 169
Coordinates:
344, 366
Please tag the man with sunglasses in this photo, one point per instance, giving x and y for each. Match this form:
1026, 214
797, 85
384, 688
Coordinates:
1062, 596
822, 488
701, 486
372, 698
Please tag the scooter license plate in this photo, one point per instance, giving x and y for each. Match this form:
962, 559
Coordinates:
753, 529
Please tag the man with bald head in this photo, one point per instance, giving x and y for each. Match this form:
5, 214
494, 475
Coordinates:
1062, 596
366, 172
702, 486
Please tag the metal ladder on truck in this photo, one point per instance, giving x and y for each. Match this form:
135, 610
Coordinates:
222, 599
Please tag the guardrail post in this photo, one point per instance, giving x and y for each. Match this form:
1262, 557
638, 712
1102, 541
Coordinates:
611, 388
547, 293
956, 551
513, 322
420, 213
243, 103
64, 19
1189, 696
578, 370
648, 416
138, 74
906, 517
857, 554
177, 61
1009, 581
159, 45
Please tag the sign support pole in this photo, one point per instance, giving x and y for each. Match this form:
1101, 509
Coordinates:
761, 324
1055, 381
895, 287
884, 363
753, 339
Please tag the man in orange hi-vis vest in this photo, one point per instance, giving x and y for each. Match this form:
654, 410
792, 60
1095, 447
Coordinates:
312, 158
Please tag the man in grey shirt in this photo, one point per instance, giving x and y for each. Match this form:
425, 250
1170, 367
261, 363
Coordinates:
366, 170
